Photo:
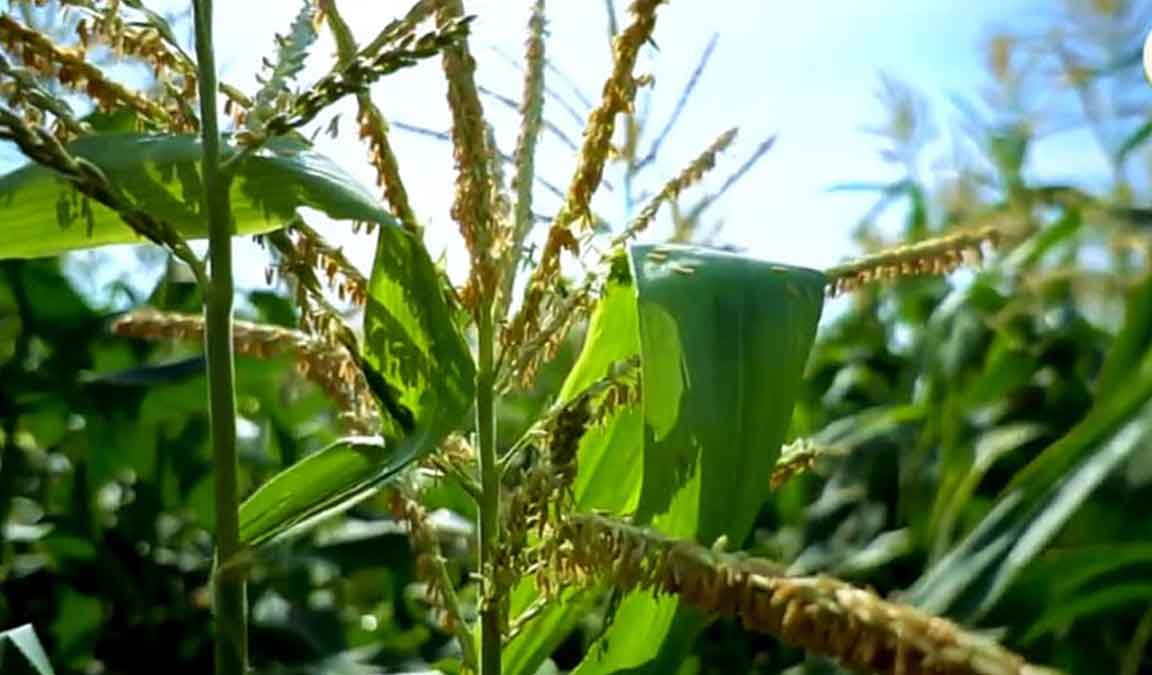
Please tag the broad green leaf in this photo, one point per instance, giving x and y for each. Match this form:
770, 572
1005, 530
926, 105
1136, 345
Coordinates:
419, 366
24, 640
160, 175
612, 336
723, 348
608, 478
414, 352
724, 342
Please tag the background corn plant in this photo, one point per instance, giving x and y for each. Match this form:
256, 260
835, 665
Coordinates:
958, 430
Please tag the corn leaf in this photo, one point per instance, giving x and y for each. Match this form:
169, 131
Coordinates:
608, 478
324, 483
160, 175
29, 652
973, 576
1077, 583
723, 341
415, 354
420, 368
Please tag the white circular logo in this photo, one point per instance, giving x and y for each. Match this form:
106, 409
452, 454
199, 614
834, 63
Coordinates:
1148, 57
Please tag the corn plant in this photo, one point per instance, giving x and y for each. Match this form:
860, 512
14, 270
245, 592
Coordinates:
654, 455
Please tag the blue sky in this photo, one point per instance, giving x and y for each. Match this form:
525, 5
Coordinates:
807, 72
804, 71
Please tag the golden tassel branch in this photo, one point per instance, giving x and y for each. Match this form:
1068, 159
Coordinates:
824, 616
940, 255
330, 366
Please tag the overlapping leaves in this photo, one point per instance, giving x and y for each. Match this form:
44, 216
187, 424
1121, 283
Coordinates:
723, 340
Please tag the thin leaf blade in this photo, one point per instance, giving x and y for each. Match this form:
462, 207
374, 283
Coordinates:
974, 576
327, 481
24, 640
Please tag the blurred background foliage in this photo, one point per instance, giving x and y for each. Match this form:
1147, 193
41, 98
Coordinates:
929, 402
